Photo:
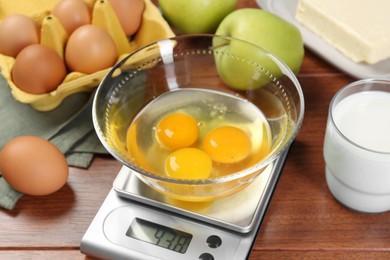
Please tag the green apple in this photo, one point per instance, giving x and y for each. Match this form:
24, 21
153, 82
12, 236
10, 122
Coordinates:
196, 16
263, 29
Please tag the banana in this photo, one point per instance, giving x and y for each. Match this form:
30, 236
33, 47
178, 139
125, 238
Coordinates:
53, 34
104, 16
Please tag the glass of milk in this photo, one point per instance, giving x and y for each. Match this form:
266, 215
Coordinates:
357, 146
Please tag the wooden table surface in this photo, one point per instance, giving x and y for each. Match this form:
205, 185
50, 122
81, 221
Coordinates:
303, 220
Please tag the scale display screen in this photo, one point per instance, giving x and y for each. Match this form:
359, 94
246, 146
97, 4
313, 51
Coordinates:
159, 235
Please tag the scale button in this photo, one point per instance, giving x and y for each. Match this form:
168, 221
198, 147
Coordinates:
214, 241
206, 256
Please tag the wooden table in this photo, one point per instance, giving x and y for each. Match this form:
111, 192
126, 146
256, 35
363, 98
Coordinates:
303, 220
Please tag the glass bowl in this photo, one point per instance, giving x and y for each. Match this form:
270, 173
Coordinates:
245, 92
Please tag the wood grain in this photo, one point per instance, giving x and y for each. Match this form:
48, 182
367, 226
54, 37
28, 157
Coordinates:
303, 221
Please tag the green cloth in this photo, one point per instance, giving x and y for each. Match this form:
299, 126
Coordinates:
8, 196
68, 126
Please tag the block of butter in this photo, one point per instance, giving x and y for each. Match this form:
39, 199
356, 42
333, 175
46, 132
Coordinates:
360, 29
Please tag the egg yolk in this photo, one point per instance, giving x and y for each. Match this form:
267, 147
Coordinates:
177, 130
188, 163
227, 144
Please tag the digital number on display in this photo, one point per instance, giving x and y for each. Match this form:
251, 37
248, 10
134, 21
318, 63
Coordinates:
159, 235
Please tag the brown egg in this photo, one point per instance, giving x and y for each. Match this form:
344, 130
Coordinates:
17, 32
38, 69
90, 49
72, 14
33, 165
129, 13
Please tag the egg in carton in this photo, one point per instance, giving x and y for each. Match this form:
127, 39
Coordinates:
153, 28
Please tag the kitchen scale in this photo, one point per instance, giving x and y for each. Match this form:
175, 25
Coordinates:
137, 222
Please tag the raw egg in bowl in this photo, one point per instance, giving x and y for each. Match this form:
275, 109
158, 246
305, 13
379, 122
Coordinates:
169, 113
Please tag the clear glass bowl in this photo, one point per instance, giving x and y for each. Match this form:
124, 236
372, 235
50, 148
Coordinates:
205, 70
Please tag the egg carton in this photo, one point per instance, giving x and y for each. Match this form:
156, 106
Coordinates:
153, 28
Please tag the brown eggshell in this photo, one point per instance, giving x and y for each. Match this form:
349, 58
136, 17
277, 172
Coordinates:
17, 32
72, 14
90, 49
129, 13
38, 69
33, 166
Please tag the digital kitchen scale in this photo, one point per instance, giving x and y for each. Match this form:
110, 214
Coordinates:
137, 222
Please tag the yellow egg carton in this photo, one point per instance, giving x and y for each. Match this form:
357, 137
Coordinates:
153, 28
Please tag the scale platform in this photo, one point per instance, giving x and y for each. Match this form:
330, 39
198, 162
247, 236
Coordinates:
137, 222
